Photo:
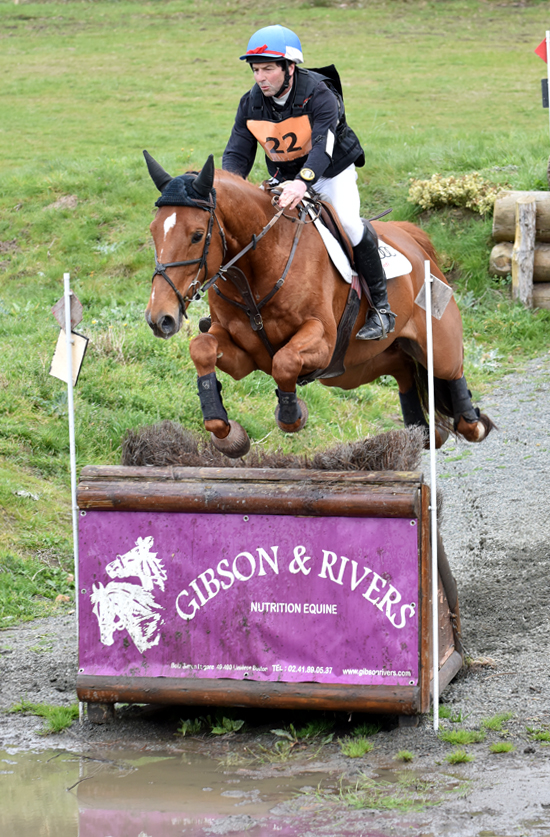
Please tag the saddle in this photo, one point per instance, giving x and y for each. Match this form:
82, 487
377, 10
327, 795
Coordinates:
338, 244
328, 217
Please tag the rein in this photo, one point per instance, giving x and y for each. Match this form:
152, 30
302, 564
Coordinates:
250, 307
229, 271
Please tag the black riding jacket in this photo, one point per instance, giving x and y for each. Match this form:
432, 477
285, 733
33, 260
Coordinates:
308, 132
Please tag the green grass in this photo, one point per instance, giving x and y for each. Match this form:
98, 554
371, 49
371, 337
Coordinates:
356, 748
29, 588
367, 729
542, 735
460, 737
446, 711
57, 718
404, 755
451, 86
221, 724
502, 747
315, 728
495, 723
190, 726
409, 793
458, 756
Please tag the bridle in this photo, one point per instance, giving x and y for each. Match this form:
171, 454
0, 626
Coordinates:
196, 285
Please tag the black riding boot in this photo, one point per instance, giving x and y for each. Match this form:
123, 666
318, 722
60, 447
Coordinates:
380, 321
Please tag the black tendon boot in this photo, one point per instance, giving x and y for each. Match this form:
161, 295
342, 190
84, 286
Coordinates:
380, 321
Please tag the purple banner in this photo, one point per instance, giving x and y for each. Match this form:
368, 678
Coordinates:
258, 597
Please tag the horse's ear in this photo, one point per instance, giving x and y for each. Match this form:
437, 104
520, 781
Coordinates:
160, 178
204, 181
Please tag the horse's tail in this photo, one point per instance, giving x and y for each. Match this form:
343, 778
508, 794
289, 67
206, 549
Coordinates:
422, 238
444, 411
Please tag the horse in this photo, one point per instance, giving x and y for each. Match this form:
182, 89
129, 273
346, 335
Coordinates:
140, 562
277, 303
120, 606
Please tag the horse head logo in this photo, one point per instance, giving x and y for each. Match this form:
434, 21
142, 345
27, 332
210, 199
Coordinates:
122, 605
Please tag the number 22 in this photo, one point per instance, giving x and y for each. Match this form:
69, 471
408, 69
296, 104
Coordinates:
291, 146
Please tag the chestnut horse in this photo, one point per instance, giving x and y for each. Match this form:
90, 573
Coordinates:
276, 302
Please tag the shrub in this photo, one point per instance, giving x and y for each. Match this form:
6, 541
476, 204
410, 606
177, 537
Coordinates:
470, 191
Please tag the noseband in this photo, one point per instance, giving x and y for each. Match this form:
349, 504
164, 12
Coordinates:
194, 287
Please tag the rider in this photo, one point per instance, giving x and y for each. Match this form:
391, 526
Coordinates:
298, 117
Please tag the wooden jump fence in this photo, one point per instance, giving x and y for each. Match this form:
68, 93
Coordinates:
521, 230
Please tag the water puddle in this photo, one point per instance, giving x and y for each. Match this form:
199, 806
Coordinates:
125, 795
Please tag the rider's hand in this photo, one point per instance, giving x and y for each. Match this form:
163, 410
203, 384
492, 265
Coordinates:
292, 194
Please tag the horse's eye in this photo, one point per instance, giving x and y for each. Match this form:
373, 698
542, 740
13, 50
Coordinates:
197, 237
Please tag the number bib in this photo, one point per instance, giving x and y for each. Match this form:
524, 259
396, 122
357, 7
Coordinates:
287, 140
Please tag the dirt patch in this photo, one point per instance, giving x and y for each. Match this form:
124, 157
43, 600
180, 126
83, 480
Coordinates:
66, 202
9, 246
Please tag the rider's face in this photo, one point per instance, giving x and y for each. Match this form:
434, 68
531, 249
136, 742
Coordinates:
270, 77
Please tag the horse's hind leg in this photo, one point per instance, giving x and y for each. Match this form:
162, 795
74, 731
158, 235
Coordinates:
227, 436
468, 421
395, 362
413, 416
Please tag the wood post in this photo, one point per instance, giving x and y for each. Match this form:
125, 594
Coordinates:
523, 255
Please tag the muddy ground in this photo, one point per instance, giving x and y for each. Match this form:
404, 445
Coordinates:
496, 531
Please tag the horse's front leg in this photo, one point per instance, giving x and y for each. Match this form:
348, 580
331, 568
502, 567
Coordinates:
227, 436
307, 349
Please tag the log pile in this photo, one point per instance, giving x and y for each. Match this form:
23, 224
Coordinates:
521, 230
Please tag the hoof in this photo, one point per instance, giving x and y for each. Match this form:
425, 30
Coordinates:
235, 444
293, 428
475, 431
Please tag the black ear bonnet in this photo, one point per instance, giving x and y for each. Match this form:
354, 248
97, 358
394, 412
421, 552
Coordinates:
181, 192
190, 189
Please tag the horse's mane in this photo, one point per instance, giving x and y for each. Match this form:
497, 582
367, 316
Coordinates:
235, 183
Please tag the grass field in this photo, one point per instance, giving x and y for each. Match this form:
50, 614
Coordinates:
451, 86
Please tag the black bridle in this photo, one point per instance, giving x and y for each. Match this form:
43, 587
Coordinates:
196, 284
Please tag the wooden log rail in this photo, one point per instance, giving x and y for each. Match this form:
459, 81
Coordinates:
521, 228
254, 490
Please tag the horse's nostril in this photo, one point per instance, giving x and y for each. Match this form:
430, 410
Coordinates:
167, 325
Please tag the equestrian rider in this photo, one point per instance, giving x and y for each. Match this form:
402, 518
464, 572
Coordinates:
298, 117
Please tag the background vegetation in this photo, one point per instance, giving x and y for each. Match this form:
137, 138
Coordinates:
449, 86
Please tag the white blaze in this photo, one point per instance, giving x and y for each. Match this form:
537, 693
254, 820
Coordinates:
169, 223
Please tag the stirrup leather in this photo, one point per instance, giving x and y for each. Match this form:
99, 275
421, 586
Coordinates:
391, 323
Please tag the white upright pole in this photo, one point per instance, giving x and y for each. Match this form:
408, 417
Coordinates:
72, 449
433, 494
70, 410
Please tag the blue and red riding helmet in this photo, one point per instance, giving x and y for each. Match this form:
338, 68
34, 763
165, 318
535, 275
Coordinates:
274, 43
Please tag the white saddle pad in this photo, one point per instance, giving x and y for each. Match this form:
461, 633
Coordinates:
393, 262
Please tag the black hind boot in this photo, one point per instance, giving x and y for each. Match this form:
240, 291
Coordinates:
380, 320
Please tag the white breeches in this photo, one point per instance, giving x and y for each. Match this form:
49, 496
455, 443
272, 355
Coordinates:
342, 192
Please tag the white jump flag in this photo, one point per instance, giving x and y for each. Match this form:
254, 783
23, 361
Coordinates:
65, 358
60, 366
